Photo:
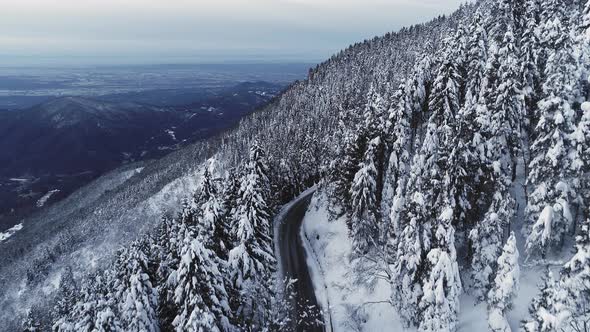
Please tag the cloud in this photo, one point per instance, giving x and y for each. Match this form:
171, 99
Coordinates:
312, 29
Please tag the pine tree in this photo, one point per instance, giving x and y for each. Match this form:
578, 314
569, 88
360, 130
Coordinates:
501, 18
505, 287
464, 161
476, 60
547, 311
344, 167
200, 292
107, 313
82, 316
551, 174
66, 295
229, 201
486, 243
407, 271
212, 227
530, 59
363, 224
581, 156
30, 324
373, 115
252, 261
138, 298
398, 165
412, 101
439, 306
508, 108
427, 189
575, 278
169, 237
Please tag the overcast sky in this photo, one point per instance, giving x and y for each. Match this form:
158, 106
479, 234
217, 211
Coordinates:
169, 31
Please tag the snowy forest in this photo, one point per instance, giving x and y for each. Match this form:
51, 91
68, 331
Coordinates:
457, 151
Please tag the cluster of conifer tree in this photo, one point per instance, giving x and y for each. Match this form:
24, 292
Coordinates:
507, 89
418, 138
209, 269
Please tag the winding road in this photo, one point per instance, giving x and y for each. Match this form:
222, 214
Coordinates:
294, 265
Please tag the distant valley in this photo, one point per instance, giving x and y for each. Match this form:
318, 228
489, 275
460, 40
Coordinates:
51, 149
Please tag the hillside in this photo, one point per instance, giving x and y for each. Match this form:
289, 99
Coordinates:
452, 163
60, 145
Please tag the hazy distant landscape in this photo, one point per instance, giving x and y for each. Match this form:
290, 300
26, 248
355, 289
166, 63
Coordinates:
163, 85
63, 127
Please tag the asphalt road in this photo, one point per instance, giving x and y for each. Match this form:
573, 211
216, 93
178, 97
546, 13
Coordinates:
293, 261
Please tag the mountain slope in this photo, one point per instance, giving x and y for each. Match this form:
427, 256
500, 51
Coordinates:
77, 231
452, 162
62, 144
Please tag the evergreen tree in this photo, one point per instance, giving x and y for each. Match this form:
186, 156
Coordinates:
486, 243
439, 306
212, 227
82, 316
581, 156
30, 324
575, 278
229, 201
107, 313
412, 101
363, 224
547, 311
407, 270
138, 298
398, 166
344, 167
427, 189
508, 108
551, 174
66, 295
530, 60
252, 261
200, 291
505, 287
169, 241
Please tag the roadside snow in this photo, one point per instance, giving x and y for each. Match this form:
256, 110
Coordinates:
351, 307
334, 278
4, 236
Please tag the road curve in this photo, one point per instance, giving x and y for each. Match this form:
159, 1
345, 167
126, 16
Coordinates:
294, 265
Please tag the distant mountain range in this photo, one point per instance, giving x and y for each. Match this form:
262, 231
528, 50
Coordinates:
66, 142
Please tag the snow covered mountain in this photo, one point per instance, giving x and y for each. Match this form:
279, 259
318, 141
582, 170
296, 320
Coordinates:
67, 142
451, 161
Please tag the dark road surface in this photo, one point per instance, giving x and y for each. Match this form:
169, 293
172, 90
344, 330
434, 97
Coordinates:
294, 265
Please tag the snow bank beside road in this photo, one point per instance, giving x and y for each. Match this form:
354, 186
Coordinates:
350, 306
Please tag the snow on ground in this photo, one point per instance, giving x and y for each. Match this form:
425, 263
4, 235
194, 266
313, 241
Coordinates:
172, 195
473, 316
171, 133
5, 235
333, 276
41, 201
19, 180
